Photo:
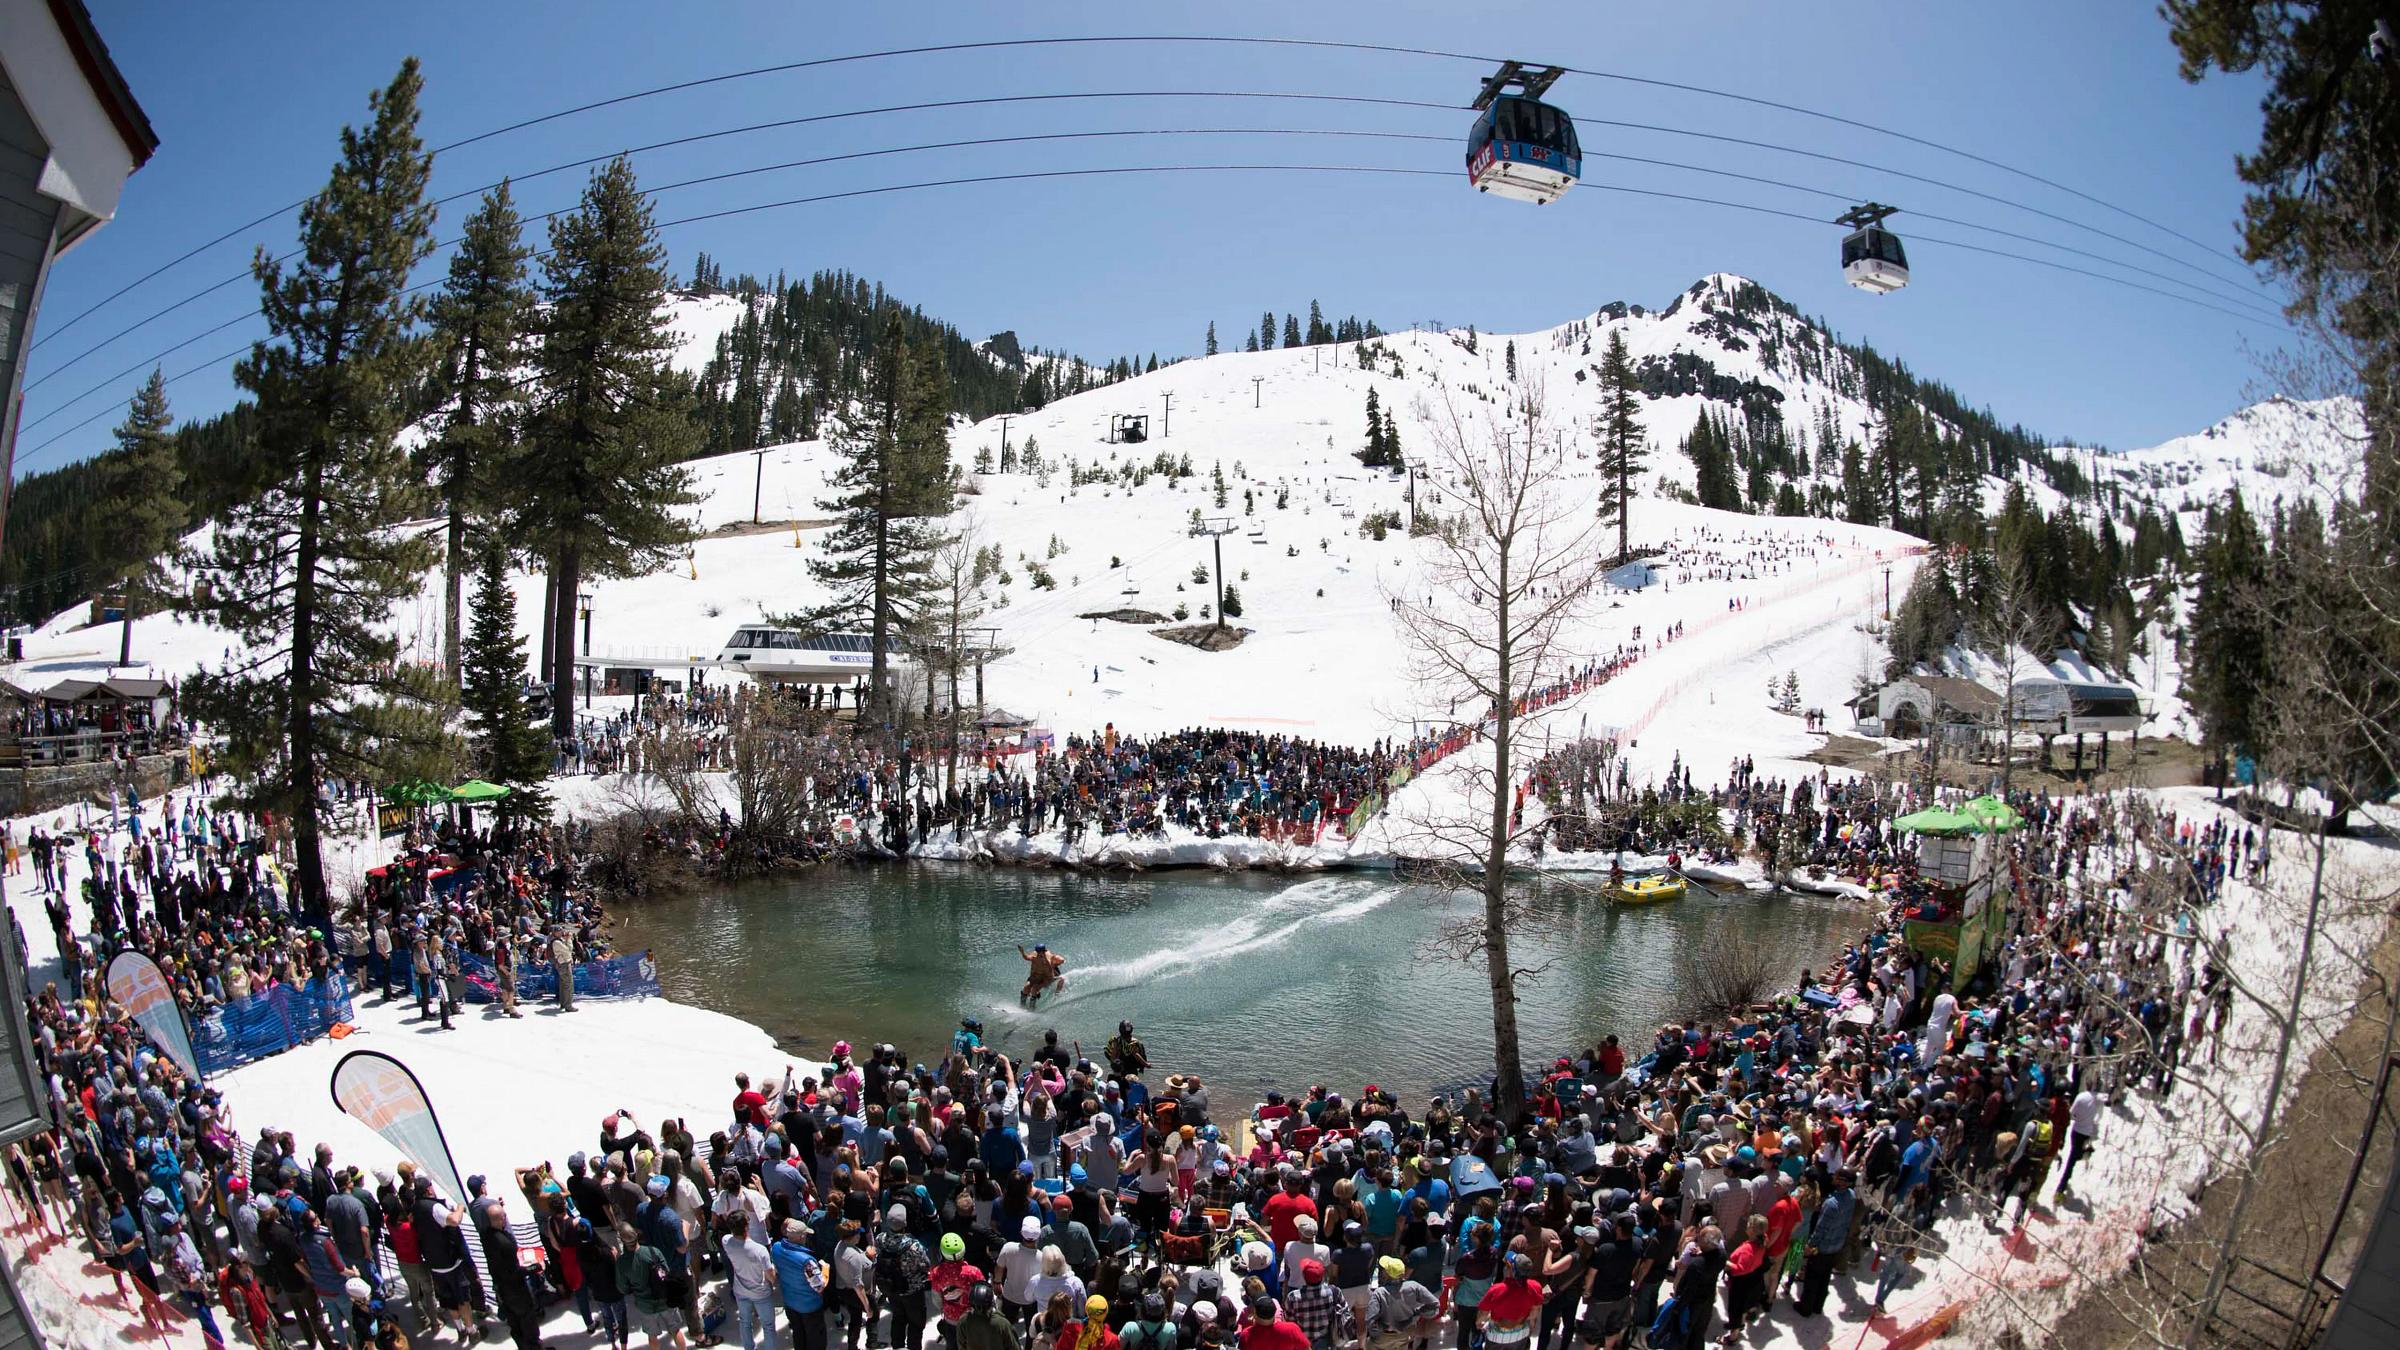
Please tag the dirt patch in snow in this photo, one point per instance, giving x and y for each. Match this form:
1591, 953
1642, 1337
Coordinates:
1125, 616
1206, 636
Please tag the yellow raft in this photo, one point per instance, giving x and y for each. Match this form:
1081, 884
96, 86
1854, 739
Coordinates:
1651, 890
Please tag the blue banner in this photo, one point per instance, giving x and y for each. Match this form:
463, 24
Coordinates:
634, 976
270, 1023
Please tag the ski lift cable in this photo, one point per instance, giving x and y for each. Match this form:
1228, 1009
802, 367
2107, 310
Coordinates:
671, 143
1320, 44
1327, 44
674, 186
2263, 309
1653, 128
38, 381
1031, 175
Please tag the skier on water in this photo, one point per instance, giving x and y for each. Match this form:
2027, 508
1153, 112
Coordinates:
1042, 967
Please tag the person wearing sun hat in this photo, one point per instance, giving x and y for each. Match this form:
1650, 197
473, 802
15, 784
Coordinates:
1401, 1313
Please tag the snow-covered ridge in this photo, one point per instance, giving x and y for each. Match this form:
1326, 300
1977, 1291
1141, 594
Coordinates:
1324, 658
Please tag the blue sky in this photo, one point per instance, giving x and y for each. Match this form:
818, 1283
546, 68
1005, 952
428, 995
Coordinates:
247, 101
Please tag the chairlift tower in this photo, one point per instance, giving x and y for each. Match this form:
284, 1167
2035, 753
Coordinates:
1217, 527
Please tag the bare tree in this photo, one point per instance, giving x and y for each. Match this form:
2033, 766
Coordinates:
2011, 633
1728, 974
1485, 620
950, 639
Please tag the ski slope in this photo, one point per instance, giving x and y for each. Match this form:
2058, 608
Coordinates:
1323, 657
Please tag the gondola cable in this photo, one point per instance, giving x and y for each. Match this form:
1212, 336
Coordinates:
56, 437
46, 375
1323, 44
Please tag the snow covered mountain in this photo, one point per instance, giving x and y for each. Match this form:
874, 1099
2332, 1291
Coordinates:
1088, 523
2279, 450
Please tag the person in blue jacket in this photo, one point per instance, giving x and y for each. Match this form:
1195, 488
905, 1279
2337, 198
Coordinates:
800, 1280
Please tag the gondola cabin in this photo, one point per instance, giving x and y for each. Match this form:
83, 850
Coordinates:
1521, 147
1872, 256
790, 656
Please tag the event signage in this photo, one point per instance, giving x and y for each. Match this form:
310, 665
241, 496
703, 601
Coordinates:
379, 1092
141, 988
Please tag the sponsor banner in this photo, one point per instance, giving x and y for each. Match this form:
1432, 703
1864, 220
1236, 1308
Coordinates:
136, 982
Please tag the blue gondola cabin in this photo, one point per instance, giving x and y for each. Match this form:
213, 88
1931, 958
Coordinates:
1525, 149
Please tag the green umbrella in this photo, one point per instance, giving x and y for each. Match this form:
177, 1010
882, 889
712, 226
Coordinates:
418, 793
1936, 820
1992, 815
475, 792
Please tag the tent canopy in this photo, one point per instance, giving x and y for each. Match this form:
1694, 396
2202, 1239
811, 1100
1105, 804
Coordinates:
1937, 820
475, 791
1993, 815
1983, 815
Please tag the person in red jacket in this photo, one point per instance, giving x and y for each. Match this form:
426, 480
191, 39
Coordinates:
245, 1302
1508, 1308
1284, 1210
1267, 1330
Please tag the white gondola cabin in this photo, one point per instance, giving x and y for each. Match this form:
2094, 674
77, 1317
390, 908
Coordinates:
1872, 256
791, 656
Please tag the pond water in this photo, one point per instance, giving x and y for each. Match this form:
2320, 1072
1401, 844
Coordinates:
1251, 980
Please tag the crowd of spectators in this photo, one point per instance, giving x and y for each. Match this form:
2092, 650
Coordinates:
1066, 1200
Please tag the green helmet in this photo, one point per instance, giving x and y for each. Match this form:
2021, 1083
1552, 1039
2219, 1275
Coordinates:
953, 1246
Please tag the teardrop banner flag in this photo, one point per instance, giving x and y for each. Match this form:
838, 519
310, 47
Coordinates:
380, 1092
136, 982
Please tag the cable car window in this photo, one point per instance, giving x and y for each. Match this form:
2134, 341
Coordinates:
1483, 133
1889, 249
1566, 136
1854, 248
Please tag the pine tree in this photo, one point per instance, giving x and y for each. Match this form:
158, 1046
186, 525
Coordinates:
1291, 331
1377, 453
1712, 465
1250, 342
1512, 361
304, 577
607, 428
1622, 454
1317, 331
891, 486
785, 415
1212, 338
1886, 464
1266, 331
510, 746
1233, 602
142, 482
2226, 661
1858, 487
478, 321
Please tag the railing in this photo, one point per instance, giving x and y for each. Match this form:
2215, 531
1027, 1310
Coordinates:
86, 745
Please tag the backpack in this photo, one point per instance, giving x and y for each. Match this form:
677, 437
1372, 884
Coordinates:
901, 1266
